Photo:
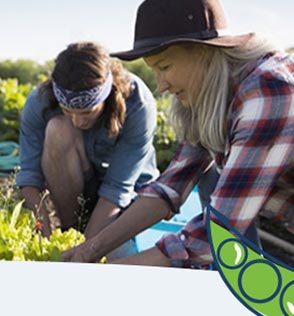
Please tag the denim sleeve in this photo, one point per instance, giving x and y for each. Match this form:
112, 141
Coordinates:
134, 150
31, 142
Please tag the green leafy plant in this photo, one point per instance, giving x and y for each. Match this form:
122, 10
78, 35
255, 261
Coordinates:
25, 70
139, 68
165, 139
20, 232
12, 99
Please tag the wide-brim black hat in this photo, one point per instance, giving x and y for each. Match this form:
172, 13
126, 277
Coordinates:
161, 23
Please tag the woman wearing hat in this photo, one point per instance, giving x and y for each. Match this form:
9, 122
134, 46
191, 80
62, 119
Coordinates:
88, 129
233, 109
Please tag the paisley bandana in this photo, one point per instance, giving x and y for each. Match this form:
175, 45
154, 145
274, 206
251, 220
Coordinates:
82, 99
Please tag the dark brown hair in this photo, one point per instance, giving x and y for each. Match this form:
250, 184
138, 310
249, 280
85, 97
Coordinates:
85, 65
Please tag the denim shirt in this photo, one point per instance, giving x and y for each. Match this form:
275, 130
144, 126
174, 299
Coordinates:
125, 162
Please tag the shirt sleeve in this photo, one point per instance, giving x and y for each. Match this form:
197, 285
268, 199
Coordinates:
133, 151
31, 143
259, 149
178, 180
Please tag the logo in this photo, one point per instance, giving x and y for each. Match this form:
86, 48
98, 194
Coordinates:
259, 281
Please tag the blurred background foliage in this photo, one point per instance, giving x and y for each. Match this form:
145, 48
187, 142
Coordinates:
139, 68
12, 98
25, 70
18, 78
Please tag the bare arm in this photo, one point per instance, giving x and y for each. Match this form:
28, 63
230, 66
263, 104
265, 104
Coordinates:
140, 215
104, 213
32, 197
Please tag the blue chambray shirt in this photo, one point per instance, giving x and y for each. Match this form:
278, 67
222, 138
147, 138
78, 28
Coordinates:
125, 162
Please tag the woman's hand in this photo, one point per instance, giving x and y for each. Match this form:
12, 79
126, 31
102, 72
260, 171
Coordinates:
85, 252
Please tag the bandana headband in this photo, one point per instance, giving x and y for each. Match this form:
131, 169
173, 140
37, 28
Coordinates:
83, 99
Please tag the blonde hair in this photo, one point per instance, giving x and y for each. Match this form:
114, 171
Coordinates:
204, 121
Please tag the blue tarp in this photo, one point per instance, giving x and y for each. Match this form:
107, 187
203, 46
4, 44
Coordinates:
9, 158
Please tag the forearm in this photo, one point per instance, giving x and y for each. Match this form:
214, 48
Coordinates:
33, 201
141, 214
104, 213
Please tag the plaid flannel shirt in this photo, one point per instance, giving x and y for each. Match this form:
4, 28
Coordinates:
256, 168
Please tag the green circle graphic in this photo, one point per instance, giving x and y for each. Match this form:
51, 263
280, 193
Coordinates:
287, 299
232, 254
260, 281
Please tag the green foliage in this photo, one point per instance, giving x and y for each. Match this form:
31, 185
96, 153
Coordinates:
20, 236
12, 99
165, 139
139, 68
25, 70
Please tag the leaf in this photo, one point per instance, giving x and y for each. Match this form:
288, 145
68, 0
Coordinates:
15, 214
18, 238
55, 255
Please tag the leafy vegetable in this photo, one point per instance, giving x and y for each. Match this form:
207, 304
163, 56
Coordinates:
20, 233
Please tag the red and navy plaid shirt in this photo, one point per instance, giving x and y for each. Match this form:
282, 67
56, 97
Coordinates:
256, 168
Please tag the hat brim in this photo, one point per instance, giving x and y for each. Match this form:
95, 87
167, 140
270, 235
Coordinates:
222, 41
